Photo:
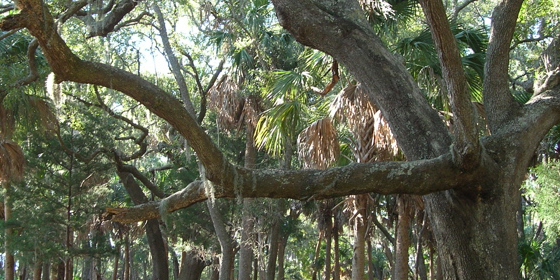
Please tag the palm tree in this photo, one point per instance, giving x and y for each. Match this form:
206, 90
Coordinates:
372, 141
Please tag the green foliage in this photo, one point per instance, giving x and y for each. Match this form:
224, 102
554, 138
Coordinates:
544, 191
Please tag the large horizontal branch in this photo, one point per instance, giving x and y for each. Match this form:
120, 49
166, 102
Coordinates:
413, 177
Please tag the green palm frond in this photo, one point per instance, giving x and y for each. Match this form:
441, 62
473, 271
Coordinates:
278, 127
289, 84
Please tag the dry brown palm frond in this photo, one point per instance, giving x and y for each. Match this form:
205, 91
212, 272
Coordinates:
11, 161
225, 100
318, 145
373, 139
7, 122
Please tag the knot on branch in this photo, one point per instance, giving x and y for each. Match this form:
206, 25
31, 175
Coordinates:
466, 158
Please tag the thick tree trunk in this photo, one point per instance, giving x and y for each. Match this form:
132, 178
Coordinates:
192, 265
403, 238
37, 270
153, 233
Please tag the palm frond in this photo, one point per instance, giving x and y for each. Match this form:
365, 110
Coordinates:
318, 145
288, 84
225, 100
277, 125
373, 139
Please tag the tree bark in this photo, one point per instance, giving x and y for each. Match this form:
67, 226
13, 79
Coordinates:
246, 253
336, 271
153, 233
46, 271
192, 265
226, 242
37, 270
403, 238
126, 273
9, 263
359, 230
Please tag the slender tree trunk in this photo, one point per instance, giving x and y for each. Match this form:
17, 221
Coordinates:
116, 263
281, 256
371, 266
327, 212
273, 237
158, 249
360, 227
126, 273
403, 239
421, 272
226, 244
9, 263
246, 253
336, 272
60, 271
316, 256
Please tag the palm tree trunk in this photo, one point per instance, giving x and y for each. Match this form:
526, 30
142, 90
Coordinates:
9, 265
403, 240
360, 227
246, 253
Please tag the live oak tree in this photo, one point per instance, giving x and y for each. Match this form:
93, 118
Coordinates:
470, 183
